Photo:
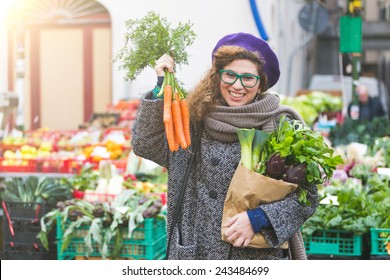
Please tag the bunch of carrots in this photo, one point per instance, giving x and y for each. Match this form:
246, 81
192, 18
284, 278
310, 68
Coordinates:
176, 114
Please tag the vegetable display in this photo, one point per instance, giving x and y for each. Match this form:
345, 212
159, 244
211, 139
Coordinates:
365, 132
146, 40
311, 105
352, 205
34, 189
292, 153
106, 221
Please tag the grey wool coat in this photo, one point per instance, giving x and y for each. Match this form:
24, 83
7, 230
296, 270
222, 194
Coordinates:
197, 234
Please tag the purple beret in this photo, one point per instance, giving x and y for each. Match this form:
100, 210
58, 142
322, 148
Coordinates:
257, 45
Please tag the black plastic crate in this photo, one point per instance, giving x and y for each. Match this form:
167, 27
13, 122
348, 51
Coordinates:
21, 225
28, 251
23, 231
25, 210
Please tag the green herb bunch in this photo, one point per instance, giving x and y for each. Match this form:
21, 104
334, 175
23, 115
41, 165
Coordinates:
148, 38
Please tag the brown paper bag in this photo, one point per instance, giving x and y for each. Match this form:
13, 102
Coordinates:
248, 190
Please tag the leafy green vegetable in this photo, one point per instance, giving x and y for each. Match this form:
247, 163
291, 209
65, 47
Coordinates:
148, 38
365, 132
106, 221
298, 144
86, 179
361, 171
381, 144
314, 103
32, 189
322, 101
359, 206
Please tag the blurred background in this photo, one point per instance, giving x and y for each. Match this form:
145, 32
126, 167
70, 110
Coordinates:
66, 113
56, 56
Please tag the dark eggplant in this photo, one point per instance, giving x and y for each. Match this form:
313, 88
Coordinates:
295, 174
153, 210
275, 166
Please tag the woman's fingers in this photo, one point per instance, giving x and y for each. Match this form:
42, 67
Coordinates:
239, 242
230, 221
164, 62
231, 235
239, 230
246, 242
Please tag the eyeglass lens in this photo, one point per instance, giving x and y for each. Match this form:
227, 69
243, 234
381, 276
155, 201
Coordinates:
247, 80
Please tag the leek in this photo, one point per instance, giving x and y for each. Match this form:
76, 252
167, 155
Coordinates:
259, 140
245, 137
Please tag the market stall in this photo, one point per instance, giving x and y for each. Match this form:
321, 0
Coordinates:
91, 167
94, 171
351, 221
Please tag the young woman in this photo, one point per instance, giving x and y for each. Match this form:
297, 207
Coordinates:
233, 94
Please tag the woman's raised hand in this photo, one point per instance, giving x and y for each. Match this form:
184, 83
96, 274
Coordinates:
164, 62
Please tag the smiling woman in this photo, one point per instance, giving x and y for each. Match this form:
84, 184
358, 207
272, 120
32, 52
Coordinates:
232, 95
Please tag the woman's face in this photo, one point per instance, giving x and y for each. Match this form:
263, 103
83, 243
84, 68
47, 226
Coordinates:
236, 94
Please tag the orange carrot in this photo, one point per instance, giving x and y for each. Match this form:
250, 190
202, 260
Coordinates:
185, 114
176, 147
172, 127
170, 135
178, 124
167, 103
176, 96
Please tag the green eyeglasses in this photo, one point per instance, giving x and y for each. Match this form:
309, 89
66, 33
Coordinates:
247, 80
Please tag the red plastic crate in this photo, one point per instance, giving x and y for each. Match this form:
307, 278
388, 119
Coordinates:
35, 165
52, 165
93, 196
74, 165
17, 165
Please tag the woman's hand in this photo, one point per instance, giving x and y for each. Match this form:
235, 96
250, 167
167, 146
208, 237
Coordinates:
239, 230
164, 62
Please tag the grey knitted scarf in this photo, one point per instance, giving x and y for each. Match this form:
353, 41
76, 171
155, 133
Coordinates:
223, 121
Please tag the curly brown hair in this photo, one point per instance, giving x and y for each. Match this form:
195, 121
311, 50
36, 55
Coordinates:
207, 93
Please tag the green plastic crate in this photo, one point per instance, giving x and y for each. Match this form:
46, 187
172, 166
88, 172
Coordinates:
333, 242
379, 239
148, 242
